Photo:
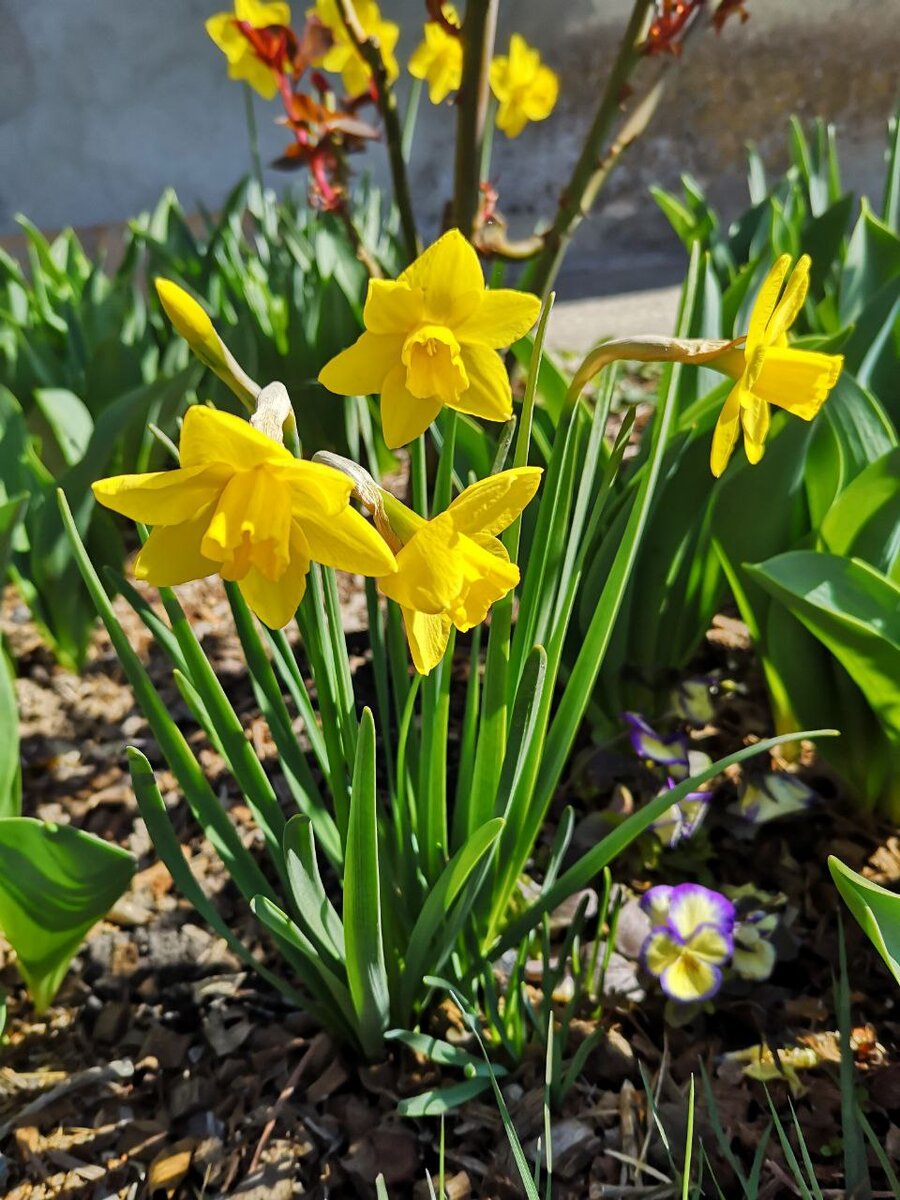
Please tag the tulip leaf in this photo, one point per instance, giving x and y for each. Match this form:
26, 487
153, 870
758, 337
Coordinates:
876, 909
853, 610
316, 912
366, 973
873, 259
55, 883
864, 521
10, 772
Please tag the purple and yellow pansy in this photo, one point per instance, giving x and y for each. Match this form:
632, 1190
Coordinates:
692, 938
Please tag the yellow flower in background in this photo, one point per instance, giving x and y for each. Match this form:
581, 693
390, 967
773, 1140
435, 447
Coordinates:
769, 371
343, 58
451, 569
438, 60
525, 88
244, 60
431, 339
241, 506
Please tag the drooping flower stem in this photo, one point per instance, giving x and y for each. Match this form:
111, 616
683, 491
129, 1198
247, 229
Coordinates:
390, 116
479, 29
601, 151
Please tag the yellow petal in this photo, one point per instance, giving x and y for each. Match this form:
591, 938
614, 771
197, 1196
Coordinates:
316, 488
226, 35
392, 307
725, 434
260, 13
690, 979
427, 636
765, 302
540, 99
709, 945
660, 952
275, 602
171, 555
755, 421
209, 436
161, 497
511, 119
502, 318
191, 321
250, 69
797, 380
492, 504
488, 576
450, 276
488, 395
251, 525
360, 370
349, 543
430, 569
791, 302
404, 416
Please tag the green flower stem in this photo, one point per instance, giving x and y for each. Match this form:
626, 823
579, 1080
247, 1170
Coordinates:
479, 29
253, 136
370, 52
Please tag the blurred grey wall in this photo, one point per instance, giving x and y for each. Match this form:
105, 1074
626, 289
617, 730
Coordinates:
103, 103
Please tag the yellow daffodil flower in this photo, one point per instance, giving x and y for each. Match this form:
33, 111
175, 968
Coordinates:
431, 339
438, 60
451, 569
241, 506
768, 370
526, 88
244, 61
343, 58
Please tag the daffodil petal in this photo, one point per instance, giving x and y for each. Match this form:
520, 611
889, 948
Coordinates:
450, 277
261, 13
797, 380
258, 74
171, 554
315, 488
755, 422
541, 97
492, 504
489, 575
792, 301
725, 434
349, 543
162, 497
430, 569
488, 395
502, 318
765, 302
392, 307
223, 30
209, 436
276, 601
403, 415
688, 979
427, 636
362, 368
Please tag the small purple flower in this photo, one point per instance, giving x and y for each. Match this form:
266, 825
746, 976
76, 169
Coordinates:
680, 822
775, 794
668, 751
692, 938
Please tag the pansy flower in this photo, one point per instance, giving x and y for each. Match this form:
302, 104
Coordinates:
666, 750
680, 822
691, 940
775, 794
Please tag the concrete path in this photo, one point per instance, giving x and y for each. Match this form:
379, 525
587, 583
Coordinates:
576, 325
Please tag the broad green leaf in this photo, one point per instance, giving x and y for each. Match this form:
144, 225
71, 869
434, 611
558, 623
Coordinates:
876, 909
55, 883
366, 972
70, 423
873, 259
437, 1101
890, 206
853, 610
864, 521
315, 911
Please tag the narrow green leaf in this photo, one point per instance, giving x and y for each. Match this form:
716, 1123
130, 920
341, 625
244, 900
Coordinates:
875, 908
321, 921
366, 972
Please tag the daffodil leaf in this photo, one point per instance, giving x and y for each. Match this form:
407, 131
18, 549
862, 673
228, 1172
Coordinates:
55, 883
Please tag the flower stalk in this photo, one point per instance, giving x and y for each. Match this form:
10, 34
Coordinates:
479, 30
390, 116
